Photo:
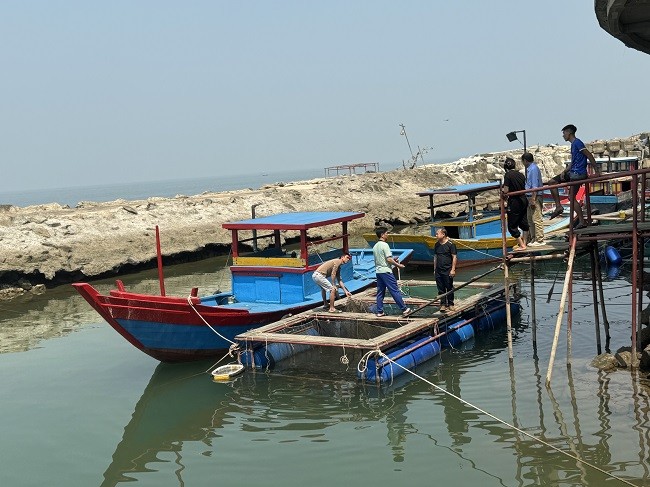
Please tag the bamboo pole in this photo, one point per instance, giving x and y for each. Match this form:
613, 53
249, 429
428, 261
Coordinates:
569, 322
601, 295
635, 267
504, 250
560, 315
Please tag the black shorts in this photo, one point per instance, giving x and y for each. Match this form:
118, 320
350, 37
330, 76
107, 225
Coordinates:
517, 219
566, 177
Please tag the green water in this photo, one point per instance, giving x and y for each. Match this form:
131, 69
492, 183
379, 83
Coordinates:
82, 407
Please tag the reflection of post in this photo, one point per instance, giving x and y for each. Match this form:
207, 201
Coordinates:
640, 424
515, 421
564, 432
601, 295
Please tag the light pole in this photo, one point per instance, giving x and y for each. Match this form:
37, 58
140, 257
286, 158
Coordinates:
403, 132
512, 136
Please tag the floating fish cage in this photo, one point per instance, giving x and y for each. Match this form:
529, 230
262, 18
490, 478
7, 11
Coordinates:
377, 349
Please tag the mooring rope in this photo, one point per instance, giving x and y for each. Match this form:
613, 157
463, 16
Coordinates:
525, 433
492, 257
189, 301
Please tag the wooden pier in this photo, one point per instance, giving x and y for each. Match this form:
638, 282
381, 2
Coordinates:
584, 241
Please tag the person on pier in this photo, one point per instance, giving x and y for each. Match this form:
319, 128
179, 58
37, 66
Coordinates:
534, 213
384, 272
517, 205
577, 170
331, 269
444, 269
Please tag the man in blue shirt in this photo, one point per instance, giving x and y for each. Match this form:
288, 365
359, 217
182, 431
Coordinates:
580, 159
534, 180
384, 271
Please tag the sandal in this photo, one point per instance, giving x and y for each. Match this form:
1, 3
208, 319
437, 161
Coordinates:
557, 212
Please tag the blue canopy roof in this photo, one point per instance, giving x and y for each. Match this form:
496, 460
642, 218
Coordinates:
462, 189
294, 221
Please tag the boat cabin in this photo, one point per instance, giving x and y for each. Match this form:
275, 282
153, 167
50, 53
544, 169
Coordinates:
471, 225
275, 275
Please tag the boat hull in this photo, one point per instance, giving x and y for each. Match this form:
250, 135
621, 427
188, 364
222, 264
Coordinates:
469, 251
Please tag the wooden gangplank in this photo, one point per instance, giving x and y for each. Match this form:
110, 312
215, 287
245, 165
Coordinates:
405, 329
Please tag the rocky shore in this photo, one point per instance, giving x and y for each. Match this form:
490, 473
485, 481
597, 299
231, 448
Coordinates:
47, 245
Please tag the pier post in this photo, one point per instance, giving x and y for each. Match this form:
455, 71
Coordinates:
504, 249
601, 295
532, 302
593, 257
560, 315
635, 265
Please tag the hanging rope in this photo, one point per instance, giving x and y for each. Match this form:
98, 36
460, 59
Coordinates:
189, 301
525, 433
492, 257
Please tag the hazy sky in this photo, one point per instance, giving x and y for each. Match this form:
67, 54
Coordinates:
104, 92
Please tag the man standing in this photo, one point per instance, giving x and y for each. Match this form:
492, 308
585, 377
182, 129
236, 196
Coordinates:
534, 180
385, 278
444, 268
332, 269
580, 158
515, 181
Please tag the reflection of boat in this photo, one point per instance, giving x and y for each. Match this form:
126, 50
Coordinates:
177, 405
267, 284
476, 233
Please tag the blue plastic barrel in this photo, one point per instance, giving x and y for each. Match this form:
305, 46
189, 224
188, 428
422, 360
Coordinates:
424, 351
388, 370
612, 256
459, 335
268, 356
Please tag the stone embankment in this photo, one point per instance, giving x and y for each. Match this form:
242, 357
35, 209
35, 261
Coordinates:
46, 245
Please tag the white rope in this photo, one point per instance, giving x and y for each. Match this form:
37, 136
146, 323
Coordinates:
344, 359
362, 366
189, 301
475, 250
467, 403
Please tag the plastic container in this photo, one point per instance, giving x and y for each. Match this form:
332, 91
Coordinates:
612, 256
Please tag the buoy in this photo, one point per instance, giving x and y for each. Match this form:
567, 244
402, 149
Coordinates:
612, 256
227, 372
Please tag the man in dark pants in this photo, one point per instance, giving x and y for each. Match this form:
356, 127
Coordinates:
517, 205
444, 267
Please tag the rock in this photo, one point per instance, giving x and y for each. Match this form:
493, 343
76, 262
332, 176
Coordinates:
605, 361
130, 209
624, 358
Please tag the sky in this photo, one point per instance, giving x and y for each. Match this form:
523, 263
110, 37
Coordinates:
128, 91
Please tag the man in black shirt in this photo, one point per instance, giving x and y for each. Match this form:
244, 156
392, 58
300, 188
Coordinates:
517, 205
444, 268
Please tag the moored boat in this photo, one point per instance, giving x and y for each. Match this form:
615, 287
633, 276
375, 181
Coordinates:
476, 233
267, 284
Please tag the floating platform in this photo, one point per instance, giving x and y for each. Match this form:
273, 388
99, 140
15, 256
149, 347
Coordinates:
409, 341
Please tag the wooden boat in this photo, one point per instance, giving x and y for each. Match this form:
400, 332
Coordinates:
407, 342
476, 233
267, 284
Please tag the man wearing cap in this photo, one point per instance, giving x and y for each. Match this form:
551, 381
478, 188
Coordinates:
331, 269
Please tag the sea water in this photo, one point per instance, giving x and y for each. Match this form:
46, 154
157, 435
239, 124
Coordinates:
82, 407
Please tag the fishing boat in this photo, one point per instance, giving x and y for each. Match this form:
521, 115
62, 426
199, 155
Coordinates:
267, 284
476, 232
